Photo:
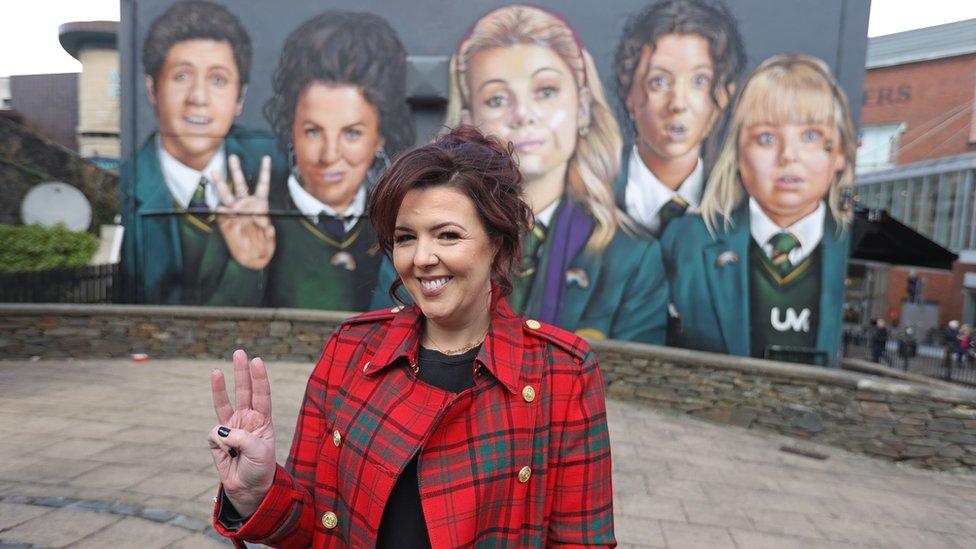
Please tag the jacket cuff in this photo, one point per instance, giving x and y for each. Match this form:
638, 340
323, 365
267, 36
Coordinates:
277, 507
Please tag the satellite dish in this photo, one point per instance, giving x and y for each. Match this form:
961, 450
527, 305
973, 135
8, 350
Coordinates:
48, 204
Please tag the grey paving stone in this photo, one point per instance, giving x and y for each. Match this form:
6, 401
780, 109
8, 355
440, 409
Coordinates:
638, 530
132, 532
12, 514
679, 535
59, 527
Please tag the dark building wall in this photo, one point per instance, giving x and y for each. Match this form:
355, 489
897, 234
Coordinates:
935, 101
49, 105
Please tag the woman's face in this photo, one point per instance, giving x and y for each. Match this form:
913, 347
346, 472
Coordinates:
670, 99
526, 94
336, 136
443, 255
788, 168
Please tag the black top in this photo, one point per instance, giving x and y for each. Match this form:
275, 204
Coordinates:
403, 523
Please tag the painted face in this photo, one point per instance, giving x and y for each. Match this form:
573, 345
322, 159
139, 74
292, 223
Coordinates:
197, 96
527, 95
670, 99
336, 135
787, 167
443, 255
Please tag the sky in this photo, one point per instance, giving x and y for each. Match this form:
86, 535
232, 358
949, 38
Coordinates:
29, 33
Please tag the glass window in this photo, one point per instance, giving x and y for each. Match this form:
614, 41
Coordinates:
877, 146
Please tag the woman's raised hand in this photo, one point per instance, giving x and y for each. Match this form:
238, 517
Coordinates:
243, 445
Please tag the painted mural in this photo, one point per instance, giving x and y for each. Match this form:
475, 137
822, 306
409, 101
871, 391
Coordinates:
708, 213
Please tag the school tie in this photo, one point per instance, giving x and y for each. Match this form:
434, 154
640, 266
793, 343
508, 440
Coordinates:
782, 244
675, 207
198, 202
522, 283
332, 226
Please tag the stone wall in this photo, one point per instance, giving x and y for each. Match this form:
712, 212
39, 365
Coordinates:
930, 425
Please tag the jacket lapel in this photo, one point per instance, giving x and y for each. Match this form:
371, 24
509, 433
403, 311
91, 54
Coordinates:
159, 234
726, 267
834, 251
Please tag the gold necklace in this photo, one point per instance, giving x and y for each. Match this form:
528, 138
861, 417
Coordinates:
460, 350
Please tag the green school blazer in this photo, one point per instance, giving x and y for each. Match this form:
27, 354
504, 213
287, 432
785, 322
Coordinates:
709, 284
152, 261
620, 293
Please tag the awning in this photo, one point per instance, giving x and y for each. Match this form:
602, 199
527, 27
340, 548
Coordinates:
876, 236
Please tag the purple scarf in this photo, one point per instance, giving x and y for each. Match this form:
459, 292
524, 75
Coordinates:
569, 232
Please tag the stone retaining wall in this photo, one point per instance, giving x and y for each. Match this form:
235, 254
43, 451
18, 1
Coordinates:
926, 425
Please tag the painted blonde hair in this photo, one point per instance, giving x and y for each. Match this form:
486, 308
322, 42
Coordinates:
596, 160
784, 89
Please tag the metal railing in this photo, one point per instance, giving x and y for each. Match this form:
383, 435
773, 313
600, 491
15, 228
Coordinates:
936, 361
88, 284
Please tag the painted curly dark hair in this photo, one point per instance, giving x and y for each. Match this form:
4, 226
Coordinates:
709, 19
351, 48
196, 20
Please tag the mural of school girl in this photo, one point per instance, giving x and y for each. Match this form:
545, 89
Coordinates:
189, 238
523, 76
676, 67
338, 106
764, 262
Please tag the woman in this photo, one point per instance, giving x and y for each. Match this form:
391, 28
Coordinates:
338, 106
763, 264
451, 422
522, 75
677, 65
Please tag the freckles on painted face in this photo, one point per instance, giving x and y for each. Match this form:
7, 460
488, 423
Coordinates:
787, 167
335, 134
443, 255
527, 95
670, 99
197, 95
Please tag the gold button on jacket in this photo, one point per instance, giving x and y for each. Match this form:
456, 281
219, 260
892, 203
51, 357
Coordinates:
533, 324
528, 393
336, 437
330, 520
524, 474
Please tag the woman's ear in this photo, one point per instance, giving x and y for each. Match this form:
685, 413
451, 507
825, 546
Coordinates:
466, 117
584, 112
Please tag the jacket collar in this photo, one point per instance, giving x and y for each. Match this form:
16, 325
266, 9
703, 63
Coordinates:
501, 353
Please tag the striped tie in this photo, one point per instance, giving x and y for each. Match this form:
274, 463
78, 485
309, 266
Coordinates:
675, 207
198, 202
783, 243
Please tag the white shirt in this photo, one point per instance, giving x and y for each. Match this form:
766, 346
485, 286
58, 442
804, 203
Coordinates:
182, 180
646, 195
312, 207
544, 217
809, 230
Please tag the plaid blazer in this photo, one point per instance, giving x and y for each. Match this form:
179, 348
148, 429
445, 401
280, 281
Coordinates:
522, 459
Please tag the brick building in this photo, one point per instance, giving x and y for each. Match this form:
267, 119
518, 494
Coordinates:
917, 159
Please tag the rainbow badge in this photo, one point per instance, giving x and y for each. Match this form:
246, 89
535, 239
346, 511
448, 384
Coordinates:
344, 260
725, 258
577, 276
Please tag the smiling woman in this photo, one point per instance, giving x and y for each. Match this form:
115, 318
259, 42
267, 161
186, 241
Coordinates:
338, 106
451, 422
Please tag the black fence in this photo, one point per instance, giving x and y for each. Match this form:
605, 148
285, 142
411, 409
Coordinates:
937, 361
88, 284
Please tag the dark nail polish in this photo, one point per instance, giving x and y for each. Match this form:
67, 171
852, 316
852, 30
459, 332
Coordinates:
223, 431
232, 453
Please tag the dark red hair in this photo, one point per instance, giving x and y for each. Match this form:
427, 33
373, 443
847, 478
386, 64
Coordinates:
482, 169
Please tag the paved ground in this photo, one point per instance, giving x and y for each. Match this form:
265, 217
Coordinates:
113, 454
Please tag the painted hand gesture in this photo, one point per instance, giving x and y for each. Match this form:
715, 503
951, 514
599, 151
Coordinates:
243, 217
243, 445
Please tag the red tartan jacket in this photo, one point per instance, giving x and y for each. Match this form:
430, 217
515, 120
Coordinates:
522, 459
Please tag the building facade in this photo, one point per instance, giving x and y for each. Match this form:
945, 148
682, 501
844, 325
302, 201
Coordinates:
917, 159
